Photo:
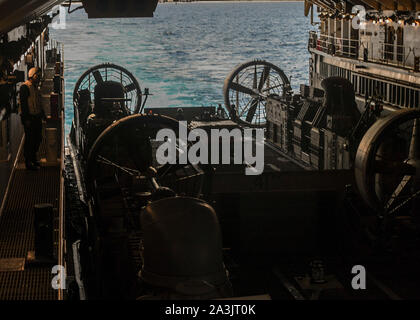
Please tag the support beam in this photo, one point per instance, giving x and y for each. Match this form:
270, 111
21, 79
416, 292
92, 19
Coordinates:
374, 4
396, 5
405, 5
326, 4
308, 5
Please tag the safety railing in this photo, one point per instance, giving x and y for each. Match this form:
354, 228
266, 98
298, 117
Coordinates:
334, 45
378, 52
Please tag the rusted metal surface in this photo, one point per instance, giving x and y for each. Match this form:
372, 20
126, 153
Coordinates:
12, 264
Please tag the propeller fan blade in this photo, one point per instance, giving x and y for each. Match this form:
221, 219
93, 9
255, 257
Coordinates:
264, 76
252, 109
254, 84
238, 87
98, 77
130, 87
393, 167
401, 186
414, 152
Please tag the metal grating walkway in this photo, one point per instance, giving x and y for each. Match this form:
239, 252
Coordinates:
17, 232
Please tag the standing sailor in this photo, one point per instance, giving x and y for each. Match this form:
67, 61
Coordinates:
31, 116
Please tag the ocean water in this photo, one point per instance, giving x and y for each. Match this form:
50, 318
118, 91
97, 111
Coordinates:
184, 53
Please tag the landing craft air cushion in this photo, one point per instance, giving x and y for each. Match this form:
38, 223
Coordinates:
339, 186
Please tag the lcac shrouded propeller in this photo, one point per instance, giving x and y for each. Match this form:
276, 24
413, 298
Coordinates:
246, 88
111, 72
387, 165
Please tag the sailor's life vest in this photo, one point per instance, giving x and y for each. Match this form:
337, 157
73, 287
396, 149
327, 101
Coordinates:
34, 99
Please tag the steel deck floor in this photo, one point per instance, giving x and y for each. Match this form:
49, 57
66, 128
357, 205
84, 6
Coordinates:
17, 232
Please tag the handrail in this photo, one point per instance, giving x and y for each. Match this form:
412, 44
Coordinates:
381, 52
61, 235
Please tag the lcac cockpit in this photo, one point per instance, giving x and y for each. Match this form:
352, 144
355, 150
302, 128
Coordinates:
141, 239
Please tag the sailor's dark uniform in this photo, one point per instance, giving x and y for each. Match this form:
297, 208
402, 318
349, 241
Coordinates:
31, 116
